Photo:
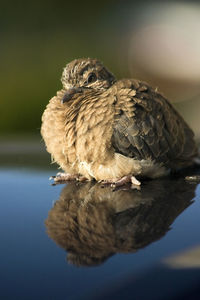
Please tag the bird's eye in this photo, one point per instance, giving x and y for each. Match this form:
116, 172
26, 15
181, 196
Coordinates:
92, 77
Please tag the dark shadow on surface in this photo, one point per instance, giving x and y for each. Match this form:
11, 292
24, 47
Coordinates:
92, 223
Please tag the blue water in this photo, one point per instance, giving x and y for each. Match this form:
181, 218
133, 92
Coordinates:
33, 266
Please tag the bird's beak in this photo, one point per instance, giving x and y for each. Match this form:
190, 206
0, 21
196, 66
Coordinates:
70, 93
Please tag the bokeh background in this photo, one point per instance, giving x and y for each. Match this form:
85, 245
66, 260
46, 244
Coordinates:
156, 41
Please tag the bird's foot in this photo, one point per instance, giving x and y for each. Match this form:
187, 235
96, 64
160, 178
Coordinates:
65, 177
123, 181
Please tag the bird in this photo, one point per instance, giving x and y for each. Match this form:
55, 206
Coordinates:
113, 131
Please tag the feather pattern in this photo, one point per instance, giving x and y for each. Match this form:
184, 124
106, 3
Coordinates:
150, 128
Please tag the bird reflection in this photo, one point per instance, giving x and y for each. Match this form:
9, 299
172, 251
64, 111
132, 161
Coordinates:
92, 223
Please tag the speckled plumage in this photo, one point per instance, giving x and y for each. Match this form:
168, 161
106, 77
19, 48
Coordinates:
106, 129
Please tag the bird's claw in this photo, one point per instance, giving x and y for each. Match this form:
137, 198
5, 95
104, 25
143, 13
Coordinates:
135, 184
60, 178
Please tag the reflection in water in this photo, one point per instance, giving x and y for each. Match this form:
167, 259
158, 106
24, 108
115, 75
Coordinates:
93, 223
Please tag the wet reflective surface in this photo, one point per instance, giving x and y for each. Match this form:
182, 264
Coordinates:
82, 241
93, 223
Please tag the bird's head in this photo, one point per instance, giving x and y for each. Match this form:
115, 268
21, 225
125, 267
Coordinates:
81, 74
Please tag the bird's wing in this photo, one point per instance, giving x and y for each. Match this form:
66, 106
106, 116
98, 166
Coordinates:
148, 127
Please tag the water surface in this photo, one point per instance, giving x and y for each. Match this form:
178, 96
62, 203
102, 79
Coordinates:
77, 241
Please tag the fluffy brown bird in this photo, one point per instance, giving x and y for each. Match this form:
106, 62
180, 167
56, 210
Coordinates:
109, 130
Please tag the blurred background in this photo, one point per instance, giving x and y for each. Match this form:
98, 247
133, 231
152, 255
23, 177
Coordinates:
156, 41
